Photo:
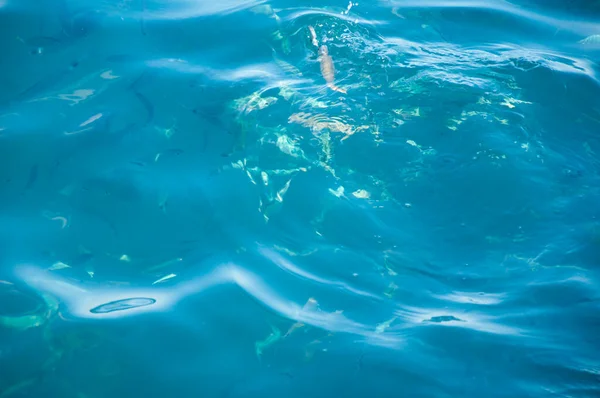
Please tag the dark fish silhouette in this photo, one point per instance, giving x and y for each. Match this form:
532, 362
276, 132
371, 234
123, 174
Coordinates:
33, 174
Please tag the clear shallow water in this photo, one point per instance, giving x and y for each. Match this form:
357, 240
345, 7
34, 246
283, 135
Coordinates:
188, 210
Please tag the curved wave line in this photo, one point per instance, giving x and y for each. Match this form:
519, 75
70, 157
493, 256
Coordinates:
81, 301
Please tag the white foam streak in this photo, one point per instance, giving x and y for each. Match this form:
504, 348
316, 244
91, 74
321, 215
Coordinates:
288, 266
575, 26
186, 9
441, 56
468, 320
472, 298
318, 11
257, 71
80, 301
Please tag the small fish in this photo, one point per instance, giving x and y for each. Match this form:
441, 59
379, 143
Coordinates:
147, 106
271, 339
287, 374
310, 305
164, 278
295, 326
313, 37
92, 119
328, 70
395, 12
142, 20
282, 191
58, 265
381, 327
265, 178
33, 174
162, 201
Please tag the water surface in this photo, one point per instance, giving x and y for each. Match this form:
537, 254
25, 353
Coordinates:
187, 209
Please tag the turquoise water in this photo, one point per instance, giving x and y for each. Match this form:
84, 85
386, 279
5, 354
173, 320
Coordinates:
188, 210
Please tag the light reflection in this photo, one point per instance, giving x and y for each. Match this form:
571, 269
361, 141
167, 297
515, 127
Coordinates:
446, 317
122, 305
184, 9
257, 71
110, 302
288, 266
575, 26
472, 298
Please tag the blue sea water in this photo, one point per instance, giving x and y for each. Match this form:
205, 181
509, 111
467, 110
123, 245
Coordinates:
188, 210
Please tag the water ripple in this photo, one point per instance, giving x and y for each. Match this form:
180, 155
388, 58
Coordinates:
366, 196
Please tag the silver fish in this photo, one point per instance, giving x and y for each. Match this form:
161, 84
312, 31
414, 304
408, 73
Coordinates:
313, 37
328, 70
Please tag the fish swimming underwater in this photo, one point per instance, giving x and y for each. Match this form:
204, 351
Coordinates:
327, 69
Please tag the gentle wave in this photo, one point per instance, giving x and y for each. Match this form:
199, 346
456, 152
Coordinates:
119, 302
573, 25
183, 177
